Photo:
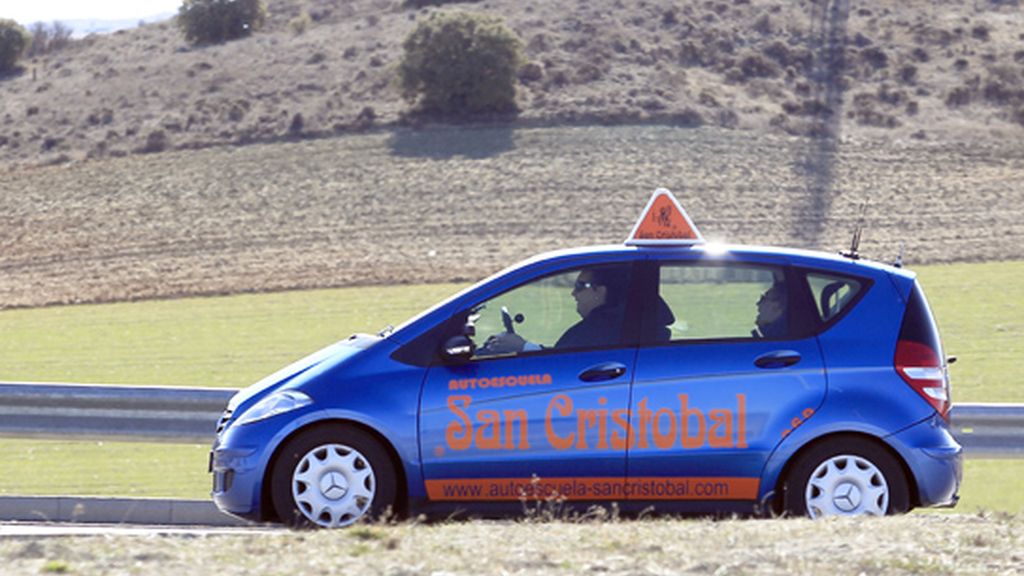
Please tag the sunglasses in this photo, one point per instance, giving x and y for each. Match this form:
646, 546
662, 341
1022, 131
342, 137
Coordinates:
582, 285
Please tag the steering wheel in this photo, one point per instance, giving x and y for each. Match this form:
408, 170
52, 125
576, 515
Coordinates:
491, 346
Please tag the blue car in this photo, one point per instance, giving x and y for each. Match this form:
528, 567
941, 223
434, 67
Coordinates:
665, 372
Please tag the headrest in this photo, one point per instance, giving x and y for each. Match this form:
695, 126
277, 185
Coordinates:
661, 314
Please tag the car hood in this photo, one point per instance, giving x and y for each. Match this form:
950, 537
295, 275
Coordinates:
336, 352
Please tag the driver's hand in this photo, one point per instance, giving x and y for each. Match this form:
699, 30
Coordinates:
504, 343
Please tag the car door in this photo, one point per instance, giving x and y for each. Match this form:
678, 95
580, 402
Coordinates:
548, 420
723, 374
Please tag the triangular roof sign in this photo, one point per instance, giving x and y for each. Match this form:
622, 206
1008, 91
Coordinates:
664, 222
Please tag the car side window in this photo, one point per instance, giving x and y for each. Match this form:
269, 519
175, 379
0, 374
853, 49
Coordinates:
832, 294
575, 309
710, 302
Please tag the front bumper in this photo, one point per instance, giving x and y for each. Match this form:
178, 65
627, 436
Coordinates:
237, 477
240, 456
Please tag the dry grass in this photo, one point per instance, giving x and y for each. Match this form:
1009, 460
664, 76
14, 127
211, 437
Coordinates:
454, 205
921, 69
934, 544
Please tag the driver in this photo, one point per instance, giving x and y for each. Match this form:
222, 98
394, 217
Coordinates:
598, 298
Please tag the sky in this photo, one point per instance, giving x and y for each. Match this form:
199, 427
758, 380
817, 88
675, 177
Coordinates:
28, 11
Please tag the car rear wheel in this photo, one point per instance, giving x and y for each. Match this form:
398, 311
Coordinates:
331, 477
846, 477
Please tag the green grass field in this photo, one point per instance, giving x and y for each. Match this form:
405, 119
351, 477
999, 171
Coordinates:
233, 341
219, 341
980, 311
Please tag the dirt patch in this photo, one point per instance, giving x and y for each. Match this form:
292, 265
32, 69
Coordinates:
455, 205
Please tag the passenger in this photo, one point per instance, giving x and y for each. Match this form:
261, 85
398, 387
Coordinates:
771, 313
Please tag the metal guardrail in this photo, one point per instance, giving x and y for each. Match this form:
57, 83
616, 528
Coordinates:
131, 413
989, 430
187, 415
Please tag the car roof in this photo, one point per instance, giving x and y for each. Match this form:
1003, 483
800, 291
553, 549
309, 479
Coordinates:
725, 252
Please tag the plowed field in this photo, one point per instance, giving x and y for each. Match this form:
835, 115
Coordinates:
455, 204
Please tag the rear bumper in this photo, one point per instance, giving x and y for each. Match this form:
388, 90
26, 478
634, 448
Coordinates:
935, 461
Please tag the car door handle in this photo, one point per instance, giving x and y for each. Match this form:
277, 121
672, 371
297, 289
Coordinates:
604, 371
777, 359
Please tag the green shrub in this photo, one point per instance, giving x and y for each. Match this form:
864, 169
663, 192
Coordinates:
13, 41
458, 63
215, 21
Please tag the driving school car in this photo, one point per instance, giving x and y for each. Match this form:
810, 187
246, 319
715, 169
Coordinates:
664, 372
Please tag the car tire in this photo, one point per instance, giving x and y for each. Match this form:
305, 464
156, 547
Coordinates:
332, 477
846, 477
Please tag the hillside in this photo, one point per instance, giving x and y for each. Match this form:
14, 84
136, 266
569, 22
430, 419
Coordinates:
775, 122
931, 70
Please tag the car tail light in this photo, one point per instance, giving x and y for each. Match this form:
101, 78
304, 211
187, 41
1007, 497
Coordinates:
918, 359
921, 367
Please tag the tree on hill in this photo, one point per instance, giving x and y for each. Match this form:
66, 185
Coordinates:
459, 63
46, 39
13, 41
216, 21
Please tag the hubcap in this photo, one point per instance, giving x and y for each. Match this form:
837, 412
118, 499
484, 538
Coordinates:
333, 485
847, 497
846, 485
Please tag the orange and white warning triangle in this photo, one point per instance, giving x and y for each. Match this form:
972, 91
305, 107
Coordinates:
663, 222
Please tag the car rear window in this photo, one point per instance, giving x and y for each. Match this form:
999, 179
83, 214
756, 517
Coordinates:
832, 294
919, 324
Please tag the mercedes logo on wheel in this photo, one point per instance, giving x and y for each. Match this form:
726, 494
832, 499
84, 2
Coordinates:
333, 485
847, 497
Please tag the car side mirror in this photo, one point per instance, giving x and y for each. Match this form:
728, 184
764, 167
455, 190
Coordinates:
458, 349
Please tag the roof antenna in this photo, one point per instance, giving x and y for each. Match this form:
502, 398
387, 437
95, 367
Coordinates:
899, 257
855, 243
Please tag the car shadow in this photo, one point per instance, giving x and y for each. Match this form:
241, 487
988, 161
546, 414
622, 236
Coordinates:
444, 143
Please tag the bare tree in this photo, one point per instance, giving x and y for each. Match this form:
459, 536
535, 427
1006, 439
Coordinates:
60, 36
40, 39
46, 39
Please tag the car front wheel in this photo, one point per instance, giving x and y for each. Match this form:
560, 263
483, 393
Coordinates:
331, 477
846, 477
